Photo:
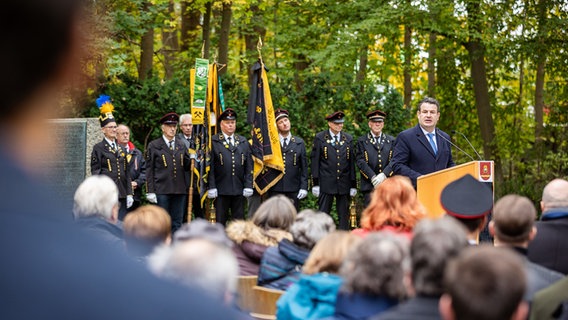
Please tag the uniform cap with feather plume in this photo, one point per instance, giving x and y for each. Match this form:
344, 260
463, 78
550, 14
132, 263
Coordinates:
106, 108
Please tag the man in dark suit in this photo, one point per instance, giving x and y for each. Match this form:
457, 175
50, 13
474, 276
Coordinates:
549, 247
186, 135
333, 169
422, 149
230, 178
109, 157
136, 164
294, 183
513, 227
374, 152
167, 160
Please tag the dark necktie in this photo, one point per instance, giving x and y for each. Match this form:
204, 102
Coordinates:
285, 142
335, 140
230, 139
171, 144
113, 145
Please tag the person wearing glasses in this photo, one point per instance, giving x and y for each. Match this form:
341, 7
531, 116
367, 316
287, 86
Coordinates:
109, 157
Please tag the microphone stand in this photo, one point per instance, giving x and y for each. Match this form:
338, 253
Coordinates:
454, 145
466, 139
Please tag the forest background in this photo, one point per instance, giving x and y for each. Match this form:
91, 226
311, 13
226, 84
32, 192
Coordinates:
499, 69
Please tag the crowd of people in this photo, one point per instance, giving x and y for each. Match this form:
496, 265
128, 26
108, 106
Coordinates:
119, 258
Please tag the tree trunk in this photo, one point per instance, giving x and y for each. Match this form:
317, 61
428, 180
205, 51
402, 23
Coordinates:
407, 67
170, 44
207, 30
432, 65
363, 60
224, 36
189, 24
146, 51
251, 37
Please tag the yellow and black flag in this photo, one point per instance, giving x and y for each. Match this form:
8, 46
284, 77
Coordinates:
266, 152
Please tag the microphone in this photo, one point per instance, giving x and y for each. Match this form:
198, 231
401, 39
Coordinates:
466, 139
460, 149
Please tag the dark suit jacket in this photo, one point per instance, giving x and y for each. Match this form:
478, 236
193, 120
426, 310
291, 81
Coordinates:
189, 144
549, 248
333, 167
112, 164
137, 169
165, 169
373, 159
295, 167
413, 156
231, 166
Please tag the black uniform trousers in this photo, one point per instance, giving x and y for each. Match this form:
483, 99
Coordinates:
174, 205
229, 205
325, 201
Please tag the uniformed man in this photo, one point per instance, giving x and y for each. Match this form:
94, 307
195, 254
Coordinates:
136, 164
109, 158
230, 178
186, 135
333, 169
294, 183
167, 160
373, 153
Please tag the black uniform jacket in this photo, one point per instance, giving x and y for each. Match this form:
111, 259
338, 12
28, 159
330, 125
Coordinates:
231, 166
333, 165
165, 168
373, 158
137, 170
295, 167
104, 160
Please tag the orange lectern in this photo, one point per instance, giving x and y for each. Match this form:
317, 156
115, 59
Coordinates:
429, 186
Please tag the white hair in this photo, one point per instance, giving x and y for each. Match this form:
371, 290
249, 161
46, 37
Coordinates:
198, 262
96, 196
184, 116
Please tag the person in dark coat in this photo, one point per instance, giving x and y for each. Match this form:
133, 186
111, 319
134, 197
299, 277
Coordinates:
136, 165
109, 157
424, 148
373, 154
435, 242
333, 168
167, 160
512, 226
281, 266
186, 135
52, 268
95, 209
294, 183
230, 178
549, 247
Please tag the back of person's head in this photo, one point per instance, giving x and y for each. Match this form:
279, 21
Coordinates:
198, 262
377, 266
485, 282
328, 254
37, 37
147, 226
310, 226
96, 196
434, 243
278, 212
513, 220
203, 229
393, 203
555, 194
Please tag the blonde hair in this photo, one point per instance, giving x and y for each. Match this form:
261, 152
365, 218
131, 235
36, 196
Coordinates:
150, 223
393, 203
328, 254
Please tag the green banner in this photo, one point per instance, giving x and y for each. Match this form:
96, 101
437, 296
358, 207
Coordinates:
200, 90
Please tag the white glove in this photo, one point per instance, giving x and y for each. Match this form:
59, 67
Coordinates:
247, 192
152, 197
212, 193
316, 191
376, 180
302, 194
352, 192
129, 201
